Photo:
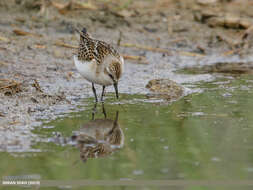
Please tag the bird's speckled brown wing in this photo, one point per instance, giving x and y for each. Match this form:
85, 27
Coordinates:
90, 49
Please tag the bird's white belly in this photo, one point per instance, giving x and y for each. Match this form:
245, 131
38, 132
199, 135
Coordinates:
88, 69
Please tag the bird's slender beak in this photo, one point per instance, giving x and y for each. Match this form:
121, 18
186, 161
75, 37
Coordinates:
116, 89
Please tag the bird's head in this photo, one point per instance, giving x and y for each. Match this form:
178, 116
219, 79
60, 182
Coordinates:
83, 33
115, 71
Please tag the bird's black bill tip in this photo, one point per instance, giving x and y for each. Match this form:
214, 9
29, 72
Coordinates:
116, 90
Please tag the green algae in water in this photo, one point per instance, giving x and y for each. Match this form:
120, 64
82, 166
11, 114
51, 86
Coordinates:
205, 136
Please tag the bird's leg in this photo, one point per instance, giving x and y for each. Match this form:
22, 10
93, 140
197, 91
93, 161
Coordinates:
94, 92
94, 111
115, 123
116, 89
103, 94
103, 109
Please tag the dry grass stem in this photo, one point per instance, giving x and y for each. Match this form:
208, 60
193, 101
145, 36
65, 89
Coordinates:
148, 48
62, 44
140, 59
185, 53
24, 33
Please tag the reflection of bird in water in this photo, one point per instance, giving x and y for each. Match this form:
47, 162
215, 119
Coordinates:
99, 137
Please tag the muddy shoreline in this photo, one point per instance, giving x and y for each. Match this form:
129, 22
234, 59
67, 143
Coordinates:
48, 83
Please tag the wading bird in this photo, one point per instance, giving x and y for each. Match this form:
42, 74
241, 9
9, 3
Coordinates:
99, 63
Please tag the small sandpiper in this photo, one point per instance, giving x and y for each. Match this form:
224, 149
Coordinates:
99, 63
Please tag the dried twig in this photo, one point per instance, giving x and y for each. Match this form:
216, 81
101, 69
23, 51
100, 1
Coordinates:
177, 40
148, 48
62, 44
39, 46
185, 53
24, 33
140, 59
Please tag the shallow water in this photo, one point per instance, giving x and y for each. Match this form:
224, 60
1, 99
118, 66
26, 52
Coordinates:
202, 136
